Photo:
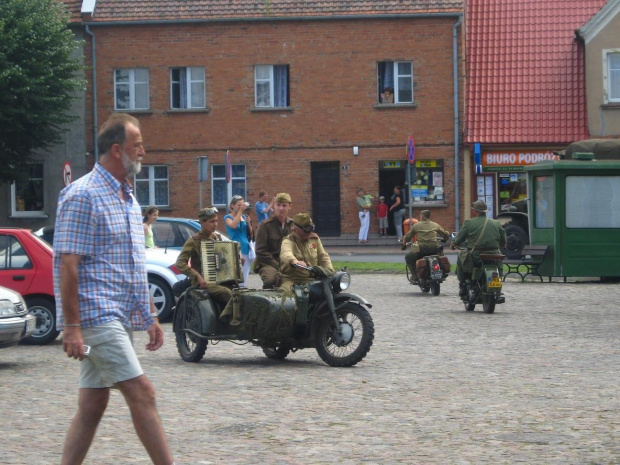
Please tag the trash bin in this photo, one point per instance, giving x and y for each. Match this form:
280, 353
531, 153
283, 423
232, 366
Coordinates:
407, 225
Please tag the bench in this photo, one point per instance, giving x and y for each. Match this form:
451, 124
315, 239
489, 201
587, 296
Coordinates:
532, 257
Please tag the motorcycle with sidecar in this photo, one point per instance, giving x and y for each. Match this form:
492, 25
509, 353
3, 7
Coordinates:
318, 314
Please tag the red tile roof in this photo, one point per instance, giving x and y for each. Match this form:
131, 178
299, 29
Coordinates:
74, 8
525, 71
145, 10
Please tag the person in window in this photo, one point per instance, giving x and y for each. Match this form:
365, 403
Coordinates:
303, 247
150, 216
239, 229
398, 208
387, 96
191, 254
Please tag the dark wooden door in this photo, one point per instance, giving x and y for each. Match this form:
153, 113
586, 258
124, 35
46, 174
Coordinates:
326, 197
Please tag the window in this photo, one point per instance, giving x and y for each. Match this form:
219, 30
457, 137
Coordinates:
172, 234
271, 86
27, 195
428, 185
131, 89
12, 254
612, 76
151, 185
397, 76
592, 202
187, 88
545, 204
222, 191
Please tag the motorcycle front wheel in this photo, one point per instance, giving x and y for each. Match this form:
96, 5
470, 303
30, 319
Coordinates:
488, 303
278, 352
190, 347
348, 348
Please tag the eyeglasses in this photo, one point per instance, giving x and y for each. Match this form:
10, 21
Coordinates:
308, 229
235, 198
208, 211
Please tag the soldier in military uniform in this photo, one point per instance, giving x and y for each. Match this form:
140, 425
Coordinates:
479, 234
191, 253
303, 247
269, 239
426, 232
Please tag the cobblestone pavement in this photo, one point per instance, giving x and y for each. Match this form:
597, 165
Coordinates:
535, 383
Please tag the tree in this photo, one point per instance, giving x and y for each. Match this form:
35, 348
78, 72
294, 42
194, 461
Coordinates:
39, 78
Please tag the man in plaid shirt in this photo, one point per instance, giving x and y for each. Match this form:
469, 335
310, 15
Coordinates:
101, 285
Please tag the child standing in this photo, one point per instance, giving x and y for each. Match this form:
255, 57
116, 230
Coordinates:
382, 214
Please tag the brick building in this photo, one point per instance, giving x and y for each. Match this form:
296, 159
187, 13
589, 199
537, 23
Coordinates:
292, 90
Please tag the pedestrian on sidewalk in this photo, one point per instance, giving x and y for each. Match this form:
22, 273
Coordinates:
398, 208
382, 214
363, 207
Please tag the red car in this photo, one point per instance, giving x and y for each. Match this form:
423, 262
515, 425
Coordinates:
26, 267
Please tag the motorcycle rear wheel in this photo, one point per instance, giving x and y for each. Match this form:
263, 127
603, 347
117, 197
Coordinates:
190, 347
435, 287
359, 321
278, 352
488, 303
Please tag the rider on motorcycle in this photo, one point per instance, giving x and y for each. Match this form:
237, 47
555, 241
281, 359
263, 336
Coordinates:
426, 232
479, 234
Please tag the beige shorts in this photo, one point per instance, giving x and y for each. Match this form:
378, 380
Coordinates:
112, 357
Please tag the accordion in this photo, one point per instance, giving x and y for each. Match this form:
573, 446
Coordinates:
221, 262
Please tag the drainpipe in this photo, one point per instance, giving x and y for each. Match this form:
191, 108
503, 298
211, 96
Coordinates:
455, 77
95, 120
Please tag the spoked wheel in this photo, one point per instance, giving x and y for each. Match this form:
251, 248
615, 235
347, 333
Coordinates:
354, 341
190, 347
278, 352
488, 303
435, 287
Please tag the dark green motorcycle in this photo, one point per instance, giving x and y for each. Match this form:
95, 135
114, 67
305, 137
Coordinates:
318, 314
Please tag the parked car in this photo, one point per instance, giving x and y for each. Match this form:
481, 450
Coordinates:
15, 321
26, 267
172, 233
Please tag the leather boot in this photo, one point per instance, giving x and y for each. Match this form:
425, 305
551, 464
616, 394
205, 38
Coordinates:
462, 290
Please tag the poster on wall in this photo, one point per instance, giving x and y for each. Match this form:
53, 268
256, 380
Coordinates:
437, 178
480, 186
488, 185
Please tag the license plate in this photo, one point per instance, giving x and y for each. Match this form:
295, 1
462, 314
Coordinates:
495, 282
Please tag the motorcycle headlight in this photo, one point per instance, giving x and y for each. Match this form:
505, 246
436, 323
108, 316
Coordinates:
342, 282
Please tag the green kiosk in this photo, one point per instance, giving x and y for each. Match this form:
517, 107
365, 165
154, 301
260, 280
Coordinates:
574, 207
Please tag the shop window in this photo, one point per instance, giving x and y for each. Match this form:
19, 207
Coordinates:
151, 186
397, 78
512, 188
27, 194
187, 88
593, 202
221, 190
428, 184
131, 89
271, 86
544, 208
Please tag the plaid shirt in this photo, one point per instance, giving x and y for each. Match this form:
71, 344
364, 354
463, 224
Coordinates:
93, 221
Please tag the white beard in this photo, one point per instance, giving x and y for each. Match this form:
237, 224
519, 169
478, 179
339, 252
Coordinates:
132, 167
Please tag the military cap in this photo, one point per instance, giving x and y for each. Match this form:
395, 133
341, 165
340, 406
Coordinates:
479, 206
207, 213
283, 197
302, 220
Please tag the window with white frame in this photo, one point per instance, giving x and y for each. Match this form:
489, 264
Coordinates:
612, 75
151, 185
395, 78
27, 194
222, 191
187, 87
271, 86
131, 89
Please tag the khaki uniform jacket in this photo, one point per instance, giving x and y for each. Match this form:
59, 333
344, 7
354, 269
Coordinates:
426, 232
191, 252
269, 240
311, 252
493, 238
